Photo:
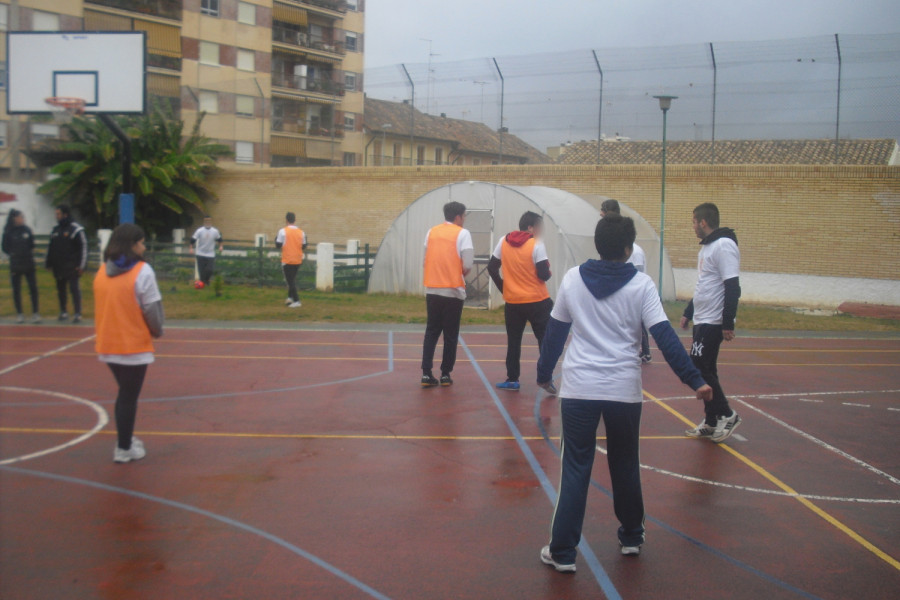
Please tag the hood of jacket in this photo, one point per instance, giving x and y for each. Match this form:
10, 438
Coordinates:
517, 239
119, 266
718, 234
606, 277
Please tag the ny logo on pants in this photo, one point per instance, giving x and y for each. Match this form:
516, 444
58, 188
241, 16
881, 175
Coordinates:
697, 349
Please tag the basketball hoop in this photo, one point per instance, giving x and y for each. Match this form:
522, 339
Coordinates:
63, 108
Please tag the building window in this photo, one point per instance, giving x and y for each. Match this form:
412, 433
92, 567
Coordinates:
351, 42
352, 4
438, 156
398, 154
209, 7
246, 13
420, 155
349, 159
246, 60
209, 53
349, 122
243, 152
44, 21
3, 74
476, 161
4, 17
44, 131
3, 125
350, 81
209, 102
243, 106
494, 162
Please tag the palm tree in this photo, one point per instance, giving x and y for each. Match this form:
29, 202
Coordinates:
170, 170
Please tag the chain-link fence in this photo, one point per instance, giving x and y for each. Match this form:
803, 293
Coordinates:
807, 88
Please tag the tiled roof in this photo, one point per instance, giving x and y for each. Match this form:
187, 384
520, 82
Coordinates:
469, 136
732, 152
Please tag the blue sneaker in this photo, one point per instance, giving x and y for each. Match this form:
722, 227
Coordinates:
512, 386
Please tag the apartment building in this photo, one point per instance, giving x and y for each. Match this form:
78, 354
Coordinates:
280, 81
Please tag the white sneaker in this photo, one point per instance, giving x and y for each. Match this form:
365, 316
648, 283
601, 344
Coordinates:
296, 304
288, 301
36, 318
725, 426
547, 559
631, 550
701, 431
136, 452
20, 318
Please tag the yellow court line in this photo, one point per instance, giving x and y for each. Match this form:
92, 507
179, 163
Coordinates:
317, 436
795, 495
381, 358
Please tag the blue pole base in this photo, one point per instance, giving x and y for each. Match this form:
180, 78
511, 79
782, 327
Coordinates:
126, 208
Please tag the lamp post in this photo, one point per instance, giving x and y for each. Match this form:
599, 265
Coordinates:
665, 102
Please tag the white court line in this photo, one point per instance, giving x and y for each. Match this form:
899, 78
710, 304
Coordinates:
102, 420
856, 404
821, 443
745, 488
792, 395
892, 408
45, 355
811, 400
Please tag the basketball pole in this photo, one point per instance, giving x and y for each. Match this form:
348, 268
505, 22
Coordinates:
126, 198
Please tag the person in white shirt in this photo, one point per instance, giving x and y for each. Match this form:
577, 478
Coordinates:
713, 310
449, 255
604, 302
203, 245
639, 259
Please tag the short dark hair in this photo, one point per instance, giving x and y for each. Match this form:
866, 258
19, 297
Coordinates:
290, 217
453, 210
122, 241
529, 219
610, 206
708, 212
64, 209
206, 217
614, 233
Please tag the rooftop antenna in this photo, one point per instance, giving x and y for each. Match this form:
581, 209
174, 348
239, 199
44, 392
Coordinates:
429, 84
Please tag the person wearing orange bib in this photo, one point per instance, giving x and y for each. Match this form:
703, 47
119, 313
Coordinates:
292, 241
128, 314
449, 255
526, 269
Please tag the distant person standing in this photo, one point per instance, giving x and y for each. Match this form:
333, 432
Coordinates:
203, 245
449, 255
639, 259
128, 314
522, 257
713, 310
292, 241
18, 244
67, 257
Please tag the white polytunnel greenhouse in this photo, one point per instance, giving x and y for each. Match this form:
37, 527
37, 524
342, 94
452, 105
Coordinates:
494, 211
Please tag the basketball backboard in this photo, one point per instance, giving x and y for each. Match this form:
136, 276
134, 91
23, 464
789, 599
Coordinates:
106, 69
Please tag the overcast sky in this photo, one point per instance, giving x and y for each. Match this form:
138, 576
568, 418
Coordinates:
475, 28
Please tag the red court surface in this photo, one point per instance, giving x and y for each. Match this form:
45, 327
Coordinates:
309, 464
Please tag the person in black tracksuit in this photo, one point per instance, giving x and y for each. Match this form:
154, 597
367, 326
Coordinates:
18, 244
67, 257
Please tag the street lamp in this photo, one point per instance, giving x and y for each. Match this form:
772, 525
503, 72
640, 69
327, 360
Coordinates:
665, 102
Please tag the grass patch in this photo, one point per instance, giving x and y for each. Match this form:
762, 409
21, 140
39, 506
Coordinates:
251, 303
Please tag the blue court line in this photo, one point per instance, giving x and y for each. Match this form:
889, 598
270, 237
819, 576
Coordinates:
662, 524
390, 369
210, 515
590, 558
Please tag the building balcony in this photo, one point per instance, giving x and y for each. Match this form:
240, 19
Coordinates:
324, 44
159, 61
167, 9
315, 86
329, 8
302, 128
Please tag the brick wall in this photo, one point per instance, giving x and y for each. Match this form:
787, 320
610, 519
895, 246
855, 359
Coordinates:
818, 220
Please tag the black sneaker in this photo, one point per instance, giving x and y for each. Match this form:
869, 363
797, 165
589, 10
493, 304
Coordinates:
646, 359
429, 381
63, 316
76, 318
445, 380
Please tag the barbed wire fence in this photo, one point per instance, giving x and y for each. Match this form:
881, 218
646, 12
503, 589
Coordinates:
826, 87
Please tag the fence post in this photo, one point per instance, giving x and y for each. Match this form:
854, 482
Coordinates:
368, 268
103, 235
259, 240
178, 240
353, 248
325, 267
